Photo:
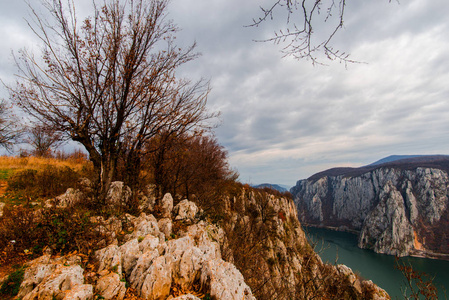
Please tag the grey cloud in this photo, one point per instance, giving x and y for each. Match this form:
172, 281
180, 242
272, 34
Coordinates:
283, 119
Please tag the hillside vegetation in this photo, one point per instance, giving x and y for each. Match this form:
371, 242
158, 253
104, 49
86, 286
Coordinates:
262, 235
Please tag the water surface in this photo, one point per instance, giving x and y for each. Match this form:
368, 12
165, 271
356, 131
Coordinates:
379, 268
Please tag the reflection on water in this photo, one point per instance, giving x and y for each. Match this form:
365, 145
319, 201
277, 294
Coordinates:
377, 267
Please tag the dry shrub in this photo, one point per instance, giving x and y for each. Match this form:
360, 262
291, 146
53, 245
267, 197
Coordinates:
62, 229
49, 181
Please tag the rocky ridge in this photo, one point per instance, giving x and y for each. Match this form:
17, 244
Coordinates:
395, 211
259, 250
151, 261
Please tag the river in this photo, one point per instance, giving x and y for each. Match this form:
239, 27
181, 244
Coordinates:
377, 267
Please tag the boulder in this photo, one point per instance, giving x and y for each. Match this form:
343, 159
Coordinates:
157, 282
130, 254
36, 271
147, 198
185, 210
143, 226
63, 279
165, 226
86, 185
118, 194
69, 199
167, 205
111, 287
225, 281
110, 259
143, 264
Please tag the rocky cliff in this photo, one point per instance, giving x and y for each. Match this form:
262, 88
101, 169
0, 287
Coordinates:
398, 209
250, 246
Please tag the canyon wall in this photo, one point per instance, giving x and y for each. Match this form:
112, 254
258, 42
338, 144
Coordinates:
394, 210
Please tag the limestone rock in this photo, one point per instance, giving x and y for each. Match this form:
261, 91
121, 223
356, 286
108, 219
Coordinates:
377, 292
70, 198
361, 203
85, 185
167, 206
225, 281
185, 210
130, 254
387, 229
147, 198
80, 292
36, 271
349, 274
144, 225
111, 287
165, 226
110, 259
157, 282
143, 265
118, 194
54, 286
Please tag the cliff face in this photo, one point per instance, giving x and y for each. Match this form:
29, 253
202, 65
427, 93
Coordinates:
267, 244
396, 211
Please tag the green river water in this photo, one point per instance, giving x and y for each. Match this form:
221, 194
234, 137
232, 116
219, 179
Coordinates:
377, 267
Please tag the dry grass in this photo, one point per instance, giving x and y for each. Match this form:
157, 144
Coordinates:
38, 163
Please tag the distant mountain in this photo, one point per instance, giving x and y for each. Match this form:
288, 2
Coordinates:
392, 158
277, 187
404, 162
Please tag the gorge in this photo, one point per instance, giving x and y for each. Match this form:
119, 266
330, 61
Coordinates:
397, 207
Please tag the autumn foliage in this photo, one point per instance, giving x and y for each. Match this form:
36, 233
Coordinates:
190, 166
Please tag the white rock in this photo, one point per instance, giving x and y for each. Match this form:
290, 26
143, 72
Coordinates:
110, 258
143, 226
118, 193
130, 254
111, 287
80, 292
165, 226
54, 286
225, 281
167, 205
70, 198
157, 282
143, 264
36, 271
185, 210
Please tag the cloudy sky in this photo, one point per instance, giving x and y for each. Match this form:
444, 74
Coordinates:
283, 120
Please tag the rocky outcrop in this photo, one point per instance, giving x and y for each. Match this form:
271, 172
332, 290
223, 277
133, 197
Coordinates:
266, 242
393, 209
178, 252
150, 261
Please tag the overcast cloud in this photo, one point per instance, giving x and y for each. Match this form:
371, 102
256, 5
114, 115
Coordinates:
284, 120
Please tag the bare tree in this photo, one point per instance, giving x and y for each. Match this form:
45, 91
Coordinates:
302, 17
9, 129
109, 82
43, 139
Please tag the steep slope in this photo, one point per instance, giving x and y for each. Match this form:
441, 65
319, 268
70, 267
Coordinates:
398, 208
267, 244
251, 246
